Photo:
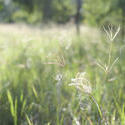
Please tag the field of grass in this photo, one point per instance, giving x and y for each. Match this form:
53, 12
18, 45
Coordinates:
51, 76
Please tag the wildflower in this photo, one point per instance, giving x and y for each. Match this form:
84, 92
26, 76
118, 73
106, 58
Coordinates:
81, 83
58, 77
76, 121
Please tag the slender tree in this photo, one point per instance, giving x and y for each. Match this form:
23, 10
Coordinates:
78, 15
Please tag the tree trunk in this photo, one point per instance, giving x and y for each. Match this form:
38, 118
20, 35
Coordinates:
77, 16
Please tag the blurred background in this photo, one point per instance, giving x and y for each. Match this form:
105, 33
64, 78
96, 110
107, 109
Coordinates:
95, 13
62, 11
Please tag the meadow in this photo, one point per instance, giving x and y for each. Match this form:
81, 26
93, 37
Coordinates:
52, 76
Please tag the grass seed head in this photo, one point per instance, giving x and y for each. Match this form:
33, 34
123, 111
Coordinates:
111, 32
81, 83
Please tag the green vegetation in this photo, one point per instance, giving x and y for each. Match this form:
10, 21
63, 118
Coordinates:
37, 68
52, 76
62, 11
94, 13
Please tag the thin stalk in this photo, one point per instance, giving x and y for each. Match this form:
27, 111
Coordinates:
98, 107
110, 52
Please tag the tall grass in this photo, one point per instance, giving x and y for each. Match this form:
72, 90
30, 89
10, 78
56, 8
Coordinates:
36, 67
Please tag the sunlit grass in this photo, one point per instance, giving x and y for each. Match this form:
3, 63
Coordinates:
37, 64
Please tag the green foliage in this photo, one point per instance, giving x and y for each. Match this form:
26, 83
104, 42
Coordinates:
97, 12
103, 12
54, 10
63, 11
13, 107
1, 5
37, 67
26, 4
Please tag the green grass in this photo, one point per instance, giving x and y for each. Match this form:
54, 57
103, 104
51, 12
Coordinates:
31, 60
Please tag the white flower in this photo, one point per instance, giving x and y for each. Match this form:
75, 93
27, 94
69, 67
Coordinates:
58, 77
81, 83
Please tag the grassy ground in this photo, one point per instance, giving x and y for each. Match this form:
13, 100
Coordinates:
38, 64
